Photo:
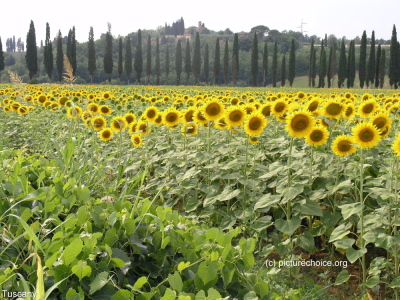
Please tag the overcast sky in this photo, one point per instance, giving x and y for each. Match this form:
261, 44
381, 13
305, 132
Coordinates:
347, 18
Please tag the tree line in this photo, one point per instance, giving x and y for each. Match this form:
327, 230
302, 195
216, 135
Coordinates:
237, 60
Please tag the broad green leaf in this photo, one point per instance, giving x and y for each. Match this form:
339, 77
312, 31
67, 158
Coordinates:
213, 294
81, 269
262, 223
266, 201
343, 277
207, 272
73, 295
344, 243
29, 231
306, 241
72, 251
349, 209
169, 295
182, 266
175, 281
395, 282
99, 281
122, 295
373, 281
292, 191
201, 295
308, 208
212, 233
250, 296
339, 232
288, 226
111, 237
352, 254
140, 283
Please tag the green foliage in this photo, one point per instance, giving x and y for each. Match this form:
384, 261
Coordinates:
342, 73
275, 64
188, 62
351, 65
178, 62
31, 51
108, 58
120, 59
138, 63
254, 60
217, 61
206, 65
60, 57
196, 64
91, 54
157, 67
292, 63
148, 59
371, 62
362, 68
48, 53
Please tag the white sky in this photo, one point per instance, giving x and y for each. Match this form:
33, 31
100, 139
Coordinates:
339, 17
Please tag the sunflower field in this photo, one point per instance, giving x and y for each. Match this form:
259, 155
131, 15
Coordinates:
144, 192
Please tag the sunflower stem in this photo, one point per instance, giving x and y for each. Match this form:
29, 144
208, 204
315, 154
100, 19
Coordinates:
363, 262
394, 226
208, 150
289, 203
245, 174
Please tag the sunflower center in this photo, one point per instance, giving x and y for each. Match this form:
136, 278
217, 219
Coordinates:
344, 146
129, 119
366, 135
313, 106
106, 134
299, 123
171, 118
151, 114
266, 111
334, 109
213, 109
235, 116
349, 111
279, 107
380, 122
368, 108
255, 123
316, 136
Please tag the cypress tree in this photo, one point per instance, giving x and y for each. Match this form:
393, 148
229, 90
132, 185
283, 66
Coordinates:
167, 62
377, 65
60, 56
48, 53
322, 67
216, 62
206, 65
2, 65
120, 66
283, 71
362, 69
382, 62
91, 55
188, 66
235, 59
275, 64
196, 59
148, 59
313, 69
157, 70
351, 68
178, 62
31, 51
342, 73
254, 60
128, 58
108, 59
138, 63
329, 73
371, 62
292, 63
311, 66
69, 41
393, 65
265, 65
226, 63
73, 51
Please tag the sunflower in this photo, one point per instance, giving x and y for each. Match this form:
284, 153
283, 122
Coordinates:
99, 123
93, 108
396, 145
130, 118
317, 137
158, 121
383, 123
235, 116
349, 111
74, 112
106, 95
118, 124
221, 124
86, 115
279, 108
6, 109
151, 113
213, 110
255, 123
187, 115
368, 108
332, 110
106, 134
104, 110
366, 135
301, 95
14, 106
343, 145
42, 99
136, 140
199, 118
265, 109
23, 110
300, 124
189, 129
171, 117
312, 105
253, 139
142, 128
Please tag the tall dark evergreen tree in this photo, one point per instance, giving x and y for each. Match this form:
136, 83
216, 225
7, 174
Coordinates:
108, 59
206, 65
73, 51
322, 67
48, 53
342, 72
235, 59
2, 65
188, 62
393, 64
382, 62
226, 63
91, 55
292, 64
311, 69
69, 42
275, 64
128, 58
120, 60
254, 60
283, 71
158, 67
167, 62
371, 62
217, 62
351, 66
314, 66
148, 59
329, 73
138, 63
362, 69
60, 56
377, 65
31, 51
196, 59
265, 65
178, 62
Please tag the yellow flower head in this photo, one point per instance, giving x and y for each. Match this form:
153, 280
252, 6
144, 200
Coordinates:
106, 134
343, 145
213, 110
255, 123
118, 124
317, 137
300, 124
366, 135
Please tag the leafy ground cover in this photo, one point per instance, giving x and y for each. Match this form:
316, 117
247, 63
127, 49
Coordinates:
189, 193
